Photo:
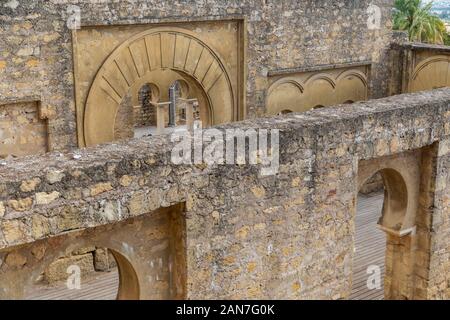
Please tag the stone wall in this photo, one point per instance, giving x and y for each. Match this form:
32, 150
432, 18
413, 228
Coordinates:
23, 131
145, 114
36, 51
240, 234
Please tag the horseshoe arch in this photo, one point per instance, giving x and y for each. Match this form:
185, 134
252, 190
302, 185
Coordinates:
156, 49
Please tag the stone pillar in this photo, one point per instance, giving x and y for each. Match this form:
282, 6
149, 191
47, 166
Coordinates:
398, 277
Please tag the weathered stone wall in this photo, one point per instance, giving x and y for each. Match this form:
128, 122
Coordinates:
125, 120
23, 131
36, 49
145, 115
285, 236
397, 61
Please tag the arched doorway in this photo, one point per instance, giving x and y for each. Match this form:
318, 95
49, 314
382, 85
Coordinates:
381, 209
389, 251
83, 274
152, 57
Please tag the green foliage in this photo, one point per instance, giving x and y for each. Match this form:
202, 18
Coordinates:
447, 39
415, 17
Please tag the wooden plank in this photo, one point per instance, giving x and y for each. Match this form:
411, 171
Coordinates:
370, 244
103, 286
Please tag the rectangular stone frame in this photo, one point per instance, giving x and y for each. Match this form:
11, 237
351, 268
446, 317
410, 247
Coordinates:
242, 22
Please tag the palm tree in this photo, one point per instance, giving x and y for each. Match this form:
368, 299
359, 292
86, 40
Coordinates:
415, 17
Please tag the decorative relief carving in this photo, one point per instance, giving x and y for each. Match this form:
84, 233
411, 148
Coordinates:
137, 61
304, 91
431, 73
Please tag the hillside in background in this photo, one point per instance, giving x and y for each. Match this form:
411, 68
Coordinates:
442, 9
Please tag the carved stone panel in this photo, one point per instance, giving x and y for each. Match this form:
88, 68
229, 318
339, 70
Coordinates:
431, 73
115, 61
302, 91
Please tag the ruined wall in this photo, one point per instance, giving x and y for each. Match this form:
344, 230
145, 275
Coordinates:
36, 51
290, 235
23, 130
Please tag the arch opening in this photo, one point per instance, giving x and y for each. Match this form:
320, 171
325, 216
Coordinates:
186, 106
88, 273
140, 60
382, 253
161, 102
128, 280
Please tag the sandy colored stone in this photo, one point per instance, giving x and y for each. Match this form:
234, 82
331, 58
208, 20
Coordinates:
2, 209
260, 226
259, 192
242, 233
32, 63
251, 266
100, 188
54, 176
57, 271
154, 200
14, 231
46, 198
70, 218
51, 37
23, 131
84, 250
38, 251
136, 204
40, 227
298, 225
29, 185
216, 215
296, 182
15, 260
296, 286
126, 180
395, 144
26, 51
22, 204
382, 148
103, 260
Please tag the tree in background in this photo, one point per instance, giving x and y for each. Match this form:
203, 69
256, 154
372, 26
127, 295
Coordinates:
422, 25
